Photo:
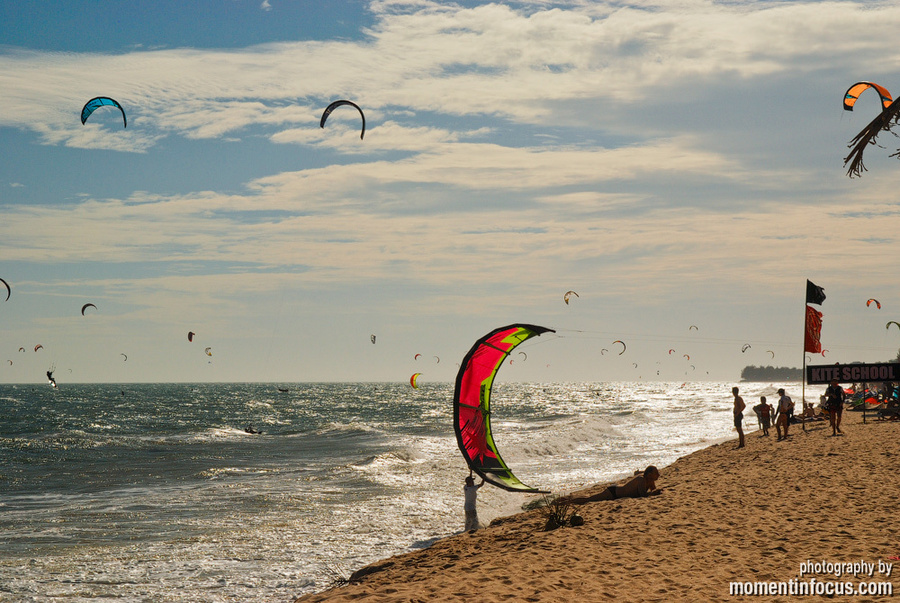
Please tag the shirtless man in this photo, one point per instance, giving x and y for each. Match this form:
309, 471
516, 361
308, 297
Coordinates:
739, 407
639, 486
782, 413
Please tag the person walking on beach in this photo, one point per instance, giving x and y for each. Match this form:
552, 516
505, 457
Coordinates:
782, 414
471, 493
834, 396
739, 407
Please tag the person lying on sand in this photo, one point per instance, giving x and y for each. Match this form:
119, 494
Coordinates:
639, 486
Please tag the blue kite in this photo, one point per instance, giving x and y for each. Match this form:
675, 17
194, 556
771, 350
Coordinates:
101, 101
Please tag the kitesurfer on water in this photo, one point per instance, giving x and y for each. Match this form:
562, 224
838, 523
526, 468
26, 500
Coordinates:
471, 493
638, 487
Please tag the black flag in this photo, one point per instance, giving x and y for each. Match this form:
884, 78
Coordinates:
814, 293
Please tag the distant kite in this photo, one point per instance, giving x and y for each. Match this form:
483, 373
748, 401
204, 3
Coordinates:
437, 360
339, 103
123, 355
693, 327
191, 335
686, 356
623, 346
101, 101
823, 353
208, 352
40, 347
670, 351
877, 303
771, 352
21, 349
414, 380
8, 290
568, 295
372, 337
892, 322
745, 348
86, 306
416, 357
603, 351
852, 94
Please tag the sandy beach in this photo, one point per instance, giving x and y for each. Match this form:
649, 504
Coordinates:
787, 512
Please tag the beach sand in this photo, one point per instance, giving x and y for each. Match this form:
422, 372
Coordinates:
725, 515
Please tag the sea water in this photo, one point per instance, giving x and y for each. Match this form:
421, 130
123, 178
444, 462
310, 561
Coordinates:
157, 492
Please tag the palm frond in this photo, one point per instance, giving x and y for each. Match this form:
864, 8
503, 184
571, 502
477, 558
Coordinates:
884, 121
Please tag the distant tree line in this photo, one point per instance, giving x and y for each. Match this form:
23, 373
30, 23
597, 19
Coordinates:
771, 373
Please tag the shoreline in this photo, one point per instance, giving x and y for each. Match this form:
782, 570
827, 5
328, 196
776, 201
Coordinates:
725, 515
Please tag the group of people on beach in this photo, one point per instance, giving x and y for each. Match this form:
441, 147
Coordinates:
780, 415
644, 483
783, 414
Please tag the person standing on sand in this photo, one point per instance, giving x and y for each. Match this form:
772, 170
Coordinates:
834, 396
471, 493
763, 411
782, 414
739, 407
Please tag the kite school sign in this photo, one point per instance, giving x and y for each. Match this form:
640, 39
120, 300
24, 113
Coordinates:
884, 371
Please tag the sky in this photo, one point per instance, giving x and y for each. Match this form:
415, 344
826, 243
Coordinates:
676, 164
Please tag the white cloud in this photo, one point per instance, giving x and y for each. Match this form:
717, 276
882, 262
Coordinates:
640, 152
489, 59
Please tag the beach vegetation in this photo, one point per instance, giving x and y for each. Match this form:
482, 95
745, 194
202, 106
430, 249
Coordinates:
558, 513
886, 121
338, 576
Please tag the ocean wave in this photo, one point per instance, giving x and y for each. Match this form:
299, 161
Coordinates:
347, 429
393, 458
178, 499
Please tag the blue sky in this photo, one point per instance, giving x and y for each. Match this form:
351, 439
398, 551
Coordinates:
676, 164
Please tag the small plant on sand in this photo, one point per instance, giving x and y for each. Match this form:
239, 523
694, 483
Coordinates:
558, 512
338, 576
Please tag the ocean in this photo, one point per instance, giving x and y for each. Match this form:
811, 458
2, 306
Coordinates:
157, 493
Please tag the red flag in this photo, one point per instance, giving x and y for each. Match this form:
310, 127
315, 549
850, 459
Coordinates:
813, 331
